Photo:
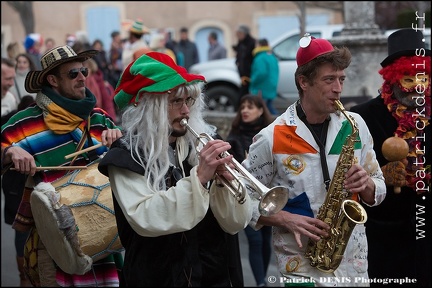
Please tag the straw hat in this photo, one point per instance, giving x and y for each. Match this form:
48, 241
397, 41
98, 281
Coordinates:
139, 28
50, 60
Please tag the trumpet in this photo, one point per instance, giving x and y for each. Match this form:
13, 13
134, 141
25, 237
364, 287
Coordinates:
271, 201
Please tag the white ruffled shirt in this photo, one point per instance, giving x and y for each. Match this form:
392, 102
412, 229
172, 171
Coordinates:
155, 213
9, 103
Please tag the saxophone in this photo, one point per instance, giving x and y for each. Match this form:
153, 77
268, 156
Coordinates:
339, 212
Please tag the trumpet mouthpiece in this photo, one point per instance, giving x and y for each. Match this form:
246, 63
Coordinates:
184, 122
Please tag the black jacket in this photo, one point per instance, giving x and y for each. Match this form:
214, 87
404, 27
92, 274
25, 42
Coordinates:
394, 228
204, 256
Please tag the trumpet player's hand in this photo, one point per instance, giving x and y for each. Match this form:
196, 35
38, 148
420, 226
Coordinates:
394, 173
303, 225
22, 160
210, 162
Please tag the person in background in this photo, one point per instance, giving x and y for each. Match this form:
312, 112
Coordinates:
177, 225
98, 86
13, 49
243, 49
402, 109
12, 183
170, 43
216, 50
157, 43
264, 76
70, 39
251, 117
33, 45
49, 44
26, 101
66, 116
115, 58
12, 180
101, 58
188, 49
9, 102
24, 64
302, 150
135, 45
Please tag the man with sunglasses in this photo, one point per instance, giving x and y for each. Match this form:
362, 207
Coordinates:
178, 227
63, 120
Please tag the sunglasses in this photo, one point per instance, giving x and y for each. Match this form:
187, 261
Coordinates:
73, 73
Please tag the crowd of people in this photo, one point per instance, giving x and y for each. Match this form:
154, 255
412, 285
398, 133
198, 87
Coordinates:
137, 109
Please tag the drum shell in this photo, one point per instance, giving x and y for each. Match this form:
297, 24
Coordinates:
87, 193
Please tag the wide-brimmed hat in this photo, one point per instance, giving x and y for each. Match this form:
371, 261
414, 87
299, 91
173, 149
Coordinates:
138, 27
404, 42
50, 60
310, 48
152, 72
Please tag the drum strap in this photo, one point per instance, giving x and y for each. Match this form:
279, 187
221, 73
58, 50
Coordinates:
92, 155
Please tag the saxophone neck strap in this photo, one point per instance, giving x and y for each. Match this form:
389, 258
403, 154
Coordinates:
321, 140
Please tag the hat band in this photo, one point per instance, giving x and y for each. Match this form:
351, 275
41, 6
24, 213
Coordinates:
56, 55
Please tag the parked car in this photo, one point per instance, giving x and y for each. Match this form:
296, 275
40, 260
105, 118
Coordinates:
223, 80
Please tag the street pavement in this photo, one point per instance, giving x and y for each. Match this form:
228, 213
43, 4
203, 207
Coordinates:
9, 271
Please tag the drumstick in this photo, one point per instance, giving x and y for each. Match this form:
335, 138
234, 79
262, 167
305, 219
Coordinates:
83, 150
57, 168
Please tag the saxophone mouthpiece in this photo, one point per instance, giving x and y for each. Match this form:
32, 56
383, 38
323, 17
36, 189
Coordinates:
338, 106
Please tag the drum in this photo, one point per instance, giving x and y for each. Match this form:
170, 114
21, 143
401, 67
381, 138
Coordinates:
74, 216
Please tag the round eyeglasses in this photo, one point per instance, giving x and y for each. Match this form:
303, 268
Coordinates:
178, 102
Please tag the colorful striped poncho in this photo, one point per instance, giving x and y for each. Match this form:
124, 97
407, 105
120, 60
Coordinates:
28, 130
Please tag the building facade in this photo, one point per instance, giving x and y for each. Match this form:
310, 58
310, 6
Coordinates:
97, 19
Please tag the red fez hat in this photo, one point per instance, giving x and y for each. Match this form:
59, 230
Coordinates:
310, 48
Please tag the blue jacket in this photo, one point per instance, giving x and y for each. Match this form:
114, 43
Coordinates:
265, 73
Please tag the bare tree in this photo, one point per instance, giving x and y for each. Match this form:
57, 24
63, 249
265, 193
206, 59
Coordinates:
388, 20
25, 10
302, 6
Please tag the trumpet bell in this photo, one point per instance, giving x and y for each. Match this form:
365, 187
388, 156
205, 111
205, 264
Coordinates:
273, 201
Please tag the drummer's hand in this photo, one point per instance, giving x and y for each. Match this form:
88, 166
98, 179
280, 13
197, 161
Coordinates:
23, 161
110, 135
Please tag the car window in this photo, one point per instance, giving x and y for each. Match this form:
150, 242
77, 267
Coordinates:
287, 49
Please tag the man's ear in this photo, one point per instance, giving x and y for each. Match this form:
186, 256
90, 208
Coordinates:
52, 80
302, 81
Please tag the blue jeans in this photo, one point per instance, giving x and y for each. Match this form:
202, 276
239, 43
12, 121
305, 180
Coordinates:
260, 249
